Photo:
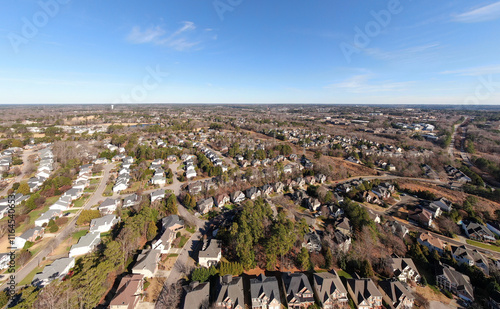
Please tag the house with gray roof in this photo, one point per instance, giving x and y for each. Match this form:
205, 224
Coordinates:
364, 293
108, 206
471, 257
147, 263
265, 292
57, 270
404, 269
47, 216
330, 291
29, 235
298, 290
455, 282
85, 244
103, 224
131, 200
229, 293
396, 295
204, 206
173, 223
157, 195
197, 295
210, 254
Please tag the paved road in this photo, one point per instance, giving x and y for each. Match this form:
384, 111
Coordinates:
64, 233
24, 168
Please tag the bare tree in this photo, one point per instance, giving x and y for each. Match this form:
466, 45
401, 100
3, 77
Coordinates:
169, 297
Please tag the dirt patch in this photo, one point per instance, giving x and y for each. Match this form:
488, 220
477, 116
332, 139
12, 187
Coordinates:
167, 262
431, 295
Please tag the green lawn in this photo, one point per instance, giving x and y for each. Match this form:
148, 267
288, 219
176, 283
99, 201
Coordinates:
183, 241
95, 181
342, 273
79, 203
230, 206
483, 245
77, 235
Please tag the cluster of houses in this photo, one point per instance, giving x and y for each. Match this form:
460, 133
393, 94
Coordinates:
326, 289
427, 211
426, 127
45, 168
456, 175
123, 180
56, 210
189, 166
446, 276
6, 159
158, 178
348, 144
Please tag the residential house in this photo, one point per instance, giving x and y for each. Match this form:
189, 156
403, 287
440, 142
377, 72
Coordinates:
229, 293
172, 223
62, 204
147, 263
86, 244
312, 203
443, 204
221, 200
421, 216
298, 290
108, 206
101, 161
278, 187
397, 228
204, 206
237, 197
330, 291
128, 293
404, 269
396, 295
471, 257
197, 295
312, 242
371, 197
103, 224
210, 254
157, 195
265, 293
343, 225
342, 240
4, 260
478, 232
195, 187
164, 243
73, 193
253, 193
57, 270
131, 200
364, 293
455, 282
47, 216
431, 242
30, 235
158, 180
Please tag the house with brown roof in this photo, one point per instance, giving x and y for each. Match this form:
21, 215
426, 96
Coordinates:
128, 293
431, 242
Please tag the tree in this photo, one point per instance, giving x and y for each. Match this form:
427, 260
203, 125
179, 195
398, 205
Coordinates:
171, 205
317, 155
328, 258
303, 259
152, 231
87, 215
24, 188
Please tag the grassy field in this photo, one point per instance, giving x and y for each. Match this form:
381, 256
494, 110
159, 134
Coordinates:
483, 245
77, 235
79, 203
342, 273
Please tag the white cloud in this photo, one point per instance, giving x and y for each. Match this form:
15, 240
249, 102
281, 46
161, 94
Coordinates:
183, 38
363, 83
484, 13
404, 54
476, 71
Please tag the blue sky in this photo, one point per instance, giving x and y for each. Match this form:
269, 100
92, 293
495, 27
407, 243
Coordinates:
250, 51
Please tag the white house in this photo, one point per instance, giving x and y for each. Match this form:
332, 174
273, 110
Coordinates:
108, 206
211, 254
47, 216
103, 224
157, 195
57, 270
85, 244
